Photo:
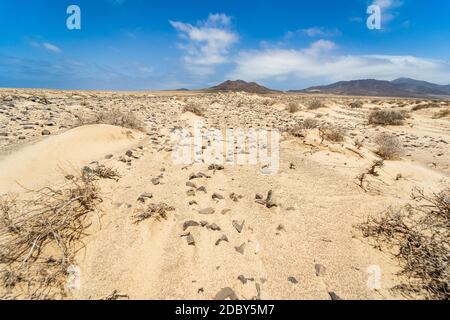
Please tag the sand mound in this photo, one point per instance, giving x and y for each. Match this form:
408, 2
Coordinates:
41, 163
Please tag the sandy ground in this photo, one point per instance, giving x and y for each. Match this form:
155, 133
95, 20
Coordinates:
304, 248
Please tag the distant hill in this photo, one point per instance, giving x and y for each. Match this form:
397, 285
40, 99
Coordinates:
402, 87
417, 86
240, 85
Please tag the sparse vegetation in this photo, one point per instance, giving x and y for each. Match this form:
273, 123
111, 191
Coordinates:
442, 114
292, 107
156, 211
195, 109
425, 106
113, 117
387, 117
332, 133
388, 147
39, 236
356, 105
419, 236
316, 104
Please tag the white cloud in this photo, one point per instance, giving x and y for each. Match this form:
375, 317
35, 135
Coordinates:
320, 32
387, 7
45, 45
51, 47
207, 44
319, 62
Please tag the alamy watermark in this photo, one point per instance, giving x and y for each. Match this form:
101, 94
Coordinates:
374, 20
73, 22
231, 146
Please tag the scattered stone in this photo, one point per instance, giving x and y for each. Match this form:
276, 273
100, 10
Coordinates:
145, 196
192, 202
215, 167
207, 211
223, 238
192, 176
190, 223
269, 200
203, 223
190, 240
259, 196
226, 293
214, 227
238, 226
202, 189
129, 153
320, 270
191, 185
217, 196
242, 279
109, 156
240, 249
334, 296
292, 280
235, 197
190, 193
156, 181
225, 211
46, 132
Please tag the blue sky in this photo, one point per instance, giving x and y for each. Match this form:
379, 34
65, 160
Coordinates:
153, 44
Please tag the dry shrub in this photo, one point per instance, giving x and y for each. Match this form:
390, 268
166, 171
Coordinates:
300, 129
39, 236
419, 236
316, 104
388, 147
356, 105
387, 117
332, 133
310, 123
195, 109
441, 114
113, 117
425, 106
101, 171
293, 107
153, 210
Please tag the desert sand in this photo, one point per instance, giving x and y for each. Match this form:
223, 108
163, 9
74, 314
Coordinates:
305, 247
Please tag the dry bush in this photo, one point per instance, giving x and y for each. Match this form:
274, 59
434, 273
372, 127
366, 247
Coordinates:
293, 107
39, 236
388, 147
316, 104
300, 129
356, 105
425, 106
101, 172
332, 133
387, 117
441, 114
195, 109
153, 210
419, 236
113, 117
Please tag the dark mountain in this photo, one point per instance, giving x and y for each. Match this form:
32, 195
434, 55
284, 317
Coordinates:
240, 85
402, 87
423, 87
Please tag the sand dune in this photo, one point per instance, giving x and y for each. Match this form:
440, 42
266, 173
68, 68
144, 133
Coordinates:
41, 163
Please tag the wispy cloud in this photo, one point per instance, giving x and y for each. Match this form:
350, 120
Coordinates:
45, 45
320, 62
319, 32
388, 7
207, 44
